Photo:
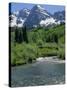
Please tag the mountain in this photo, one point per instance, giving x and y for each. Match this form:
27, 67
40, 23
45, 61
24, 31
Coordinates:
35, 17
60, 16
18, 18
39, 16
24, 13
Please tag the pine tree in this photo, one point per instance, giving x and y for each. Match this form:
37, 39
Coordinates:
25, 38
16, 35
20, 37
56, 38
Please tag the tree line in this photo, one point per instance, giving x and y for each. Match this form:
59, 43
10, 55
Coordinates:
21, 35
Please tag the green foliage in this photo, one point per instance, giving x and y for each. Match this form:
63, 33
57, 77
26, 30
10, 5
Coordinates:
35, 37
61, 53
40, 44
23, 53
54, 34
27, 45
47, 52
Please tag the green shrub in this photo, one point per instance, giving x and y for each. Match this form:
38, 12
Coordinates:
40, 44
61, 53
23, 53
47, 52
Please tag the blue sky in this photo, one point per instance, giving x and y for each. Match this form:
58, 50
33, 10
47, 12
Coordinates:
49, 8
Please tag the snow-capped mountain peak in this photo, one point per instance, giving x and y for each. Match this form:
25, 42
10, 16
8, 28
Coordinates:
37, 14
38, 7
35, 17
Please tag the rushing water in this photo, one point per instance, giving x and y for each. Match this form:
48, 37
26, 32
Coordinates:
39, 73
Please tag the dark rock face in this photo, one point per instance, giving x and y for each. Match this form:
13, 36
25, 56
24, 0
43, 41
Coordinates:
23, 13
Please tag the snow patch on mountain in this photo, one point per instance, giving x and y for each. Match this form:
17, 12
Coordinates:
47, 22
13, 20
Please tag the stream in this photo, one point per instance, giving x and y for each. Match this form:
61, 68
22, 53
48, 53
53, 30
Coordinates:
46, 71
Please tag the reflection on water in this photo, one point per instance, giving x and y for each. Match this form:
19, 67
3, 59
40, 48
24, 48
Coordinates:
42, 73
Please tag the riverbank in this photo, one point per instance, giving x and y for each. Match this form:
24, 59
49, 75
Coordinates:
52, 59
